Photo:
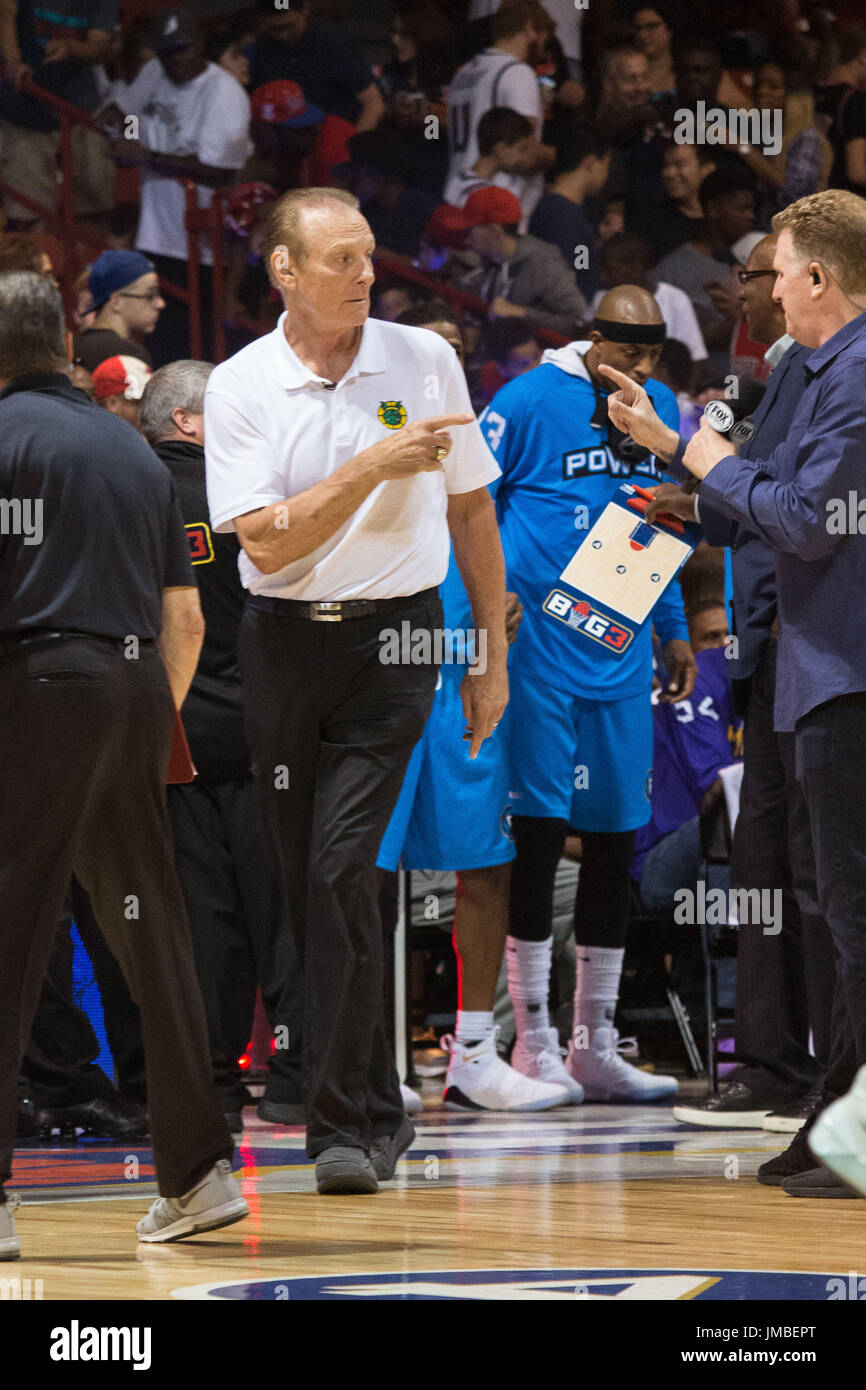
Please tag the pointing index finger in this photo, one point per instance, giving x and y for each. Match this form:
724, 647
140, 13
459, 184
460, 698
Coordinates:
443, 422
620, 378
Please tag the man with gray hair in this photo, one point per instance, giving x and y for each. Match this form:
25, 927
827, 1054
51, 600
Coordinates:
100, 631
239, 924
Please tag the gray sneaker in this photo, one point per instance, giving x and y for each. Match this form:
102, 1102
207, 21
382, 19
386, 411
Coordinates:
10, 1245
385, 1152
344, 1170
214, 1201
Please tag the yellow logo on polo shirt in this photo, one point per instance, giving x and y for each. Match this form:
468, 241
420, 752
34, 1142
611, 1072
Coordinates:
392, 414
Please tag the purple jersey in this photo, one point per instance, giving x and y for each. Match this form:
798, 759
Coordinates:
691, 741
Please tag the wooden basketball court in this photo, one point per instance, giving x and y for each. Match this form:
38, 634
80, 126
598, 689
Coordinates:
599, 1202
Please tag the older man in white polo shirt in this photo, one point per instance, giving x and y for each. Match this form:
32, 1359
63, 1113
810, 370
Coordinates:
328, 453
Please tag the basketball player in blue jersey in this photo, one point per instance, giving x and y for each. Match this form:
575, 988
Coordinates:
579, 725
452, 815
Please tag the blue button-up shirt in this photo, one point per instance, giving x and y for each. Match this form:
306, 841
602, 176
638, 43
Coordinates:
790, 498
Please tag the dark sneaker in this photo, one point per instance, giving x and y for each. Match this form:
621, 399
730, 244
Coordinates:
788, 1119
797, 1158
385, 1152
105, 1118
817, 1182
732, 1106
277, 1113
345, 1170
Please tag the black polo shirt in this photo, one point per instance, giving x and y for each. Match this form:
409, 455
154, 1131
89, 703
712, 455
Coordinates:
91, 530
213, 712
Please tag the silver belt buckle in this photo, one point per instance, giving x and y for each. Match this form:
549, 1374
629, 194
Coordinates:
327, 613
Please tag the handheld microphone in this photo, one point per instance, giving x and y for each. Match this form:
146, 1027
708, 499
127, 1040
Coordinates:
732, 418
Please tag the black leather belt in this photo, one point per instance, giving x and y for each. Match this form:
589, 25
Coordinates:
337, 612
12, 641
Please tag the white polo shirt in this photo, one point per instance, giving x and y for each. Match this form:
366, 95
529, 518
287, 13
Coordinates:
272, 430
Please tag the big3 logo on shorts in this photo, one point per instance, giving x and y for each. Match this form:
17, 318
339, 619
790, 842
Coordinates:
392, 414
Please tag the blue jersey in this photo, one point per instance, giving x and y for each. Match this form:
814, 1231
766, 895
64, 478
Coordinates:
558, 475
691, 741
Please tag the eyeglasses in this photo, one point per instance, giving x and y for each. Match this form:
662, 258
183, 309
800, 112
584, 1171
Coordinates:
151, 295
744, 276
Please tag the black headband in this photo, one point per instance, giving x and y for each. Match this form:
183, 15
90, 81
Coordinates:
617, 332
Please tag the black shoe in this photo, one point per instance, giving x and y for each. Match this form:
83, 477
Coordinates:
732, 1106
797, 1158
385, 1152
345, 1170
235, 1121
788, 1119
279, 1113
28, 1126
817, 1182
102, 1117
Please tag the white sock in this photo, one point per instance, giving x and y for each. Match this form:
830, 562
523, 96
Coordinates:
473, 1027
529, 982
596, 989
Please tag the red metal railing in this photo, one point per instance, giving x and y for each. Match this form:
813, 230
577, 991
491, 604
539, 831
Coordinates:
199, 221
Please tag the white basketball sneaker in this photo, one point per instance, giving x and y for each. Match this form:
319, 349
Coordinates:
10, 1245
604, 1073
539, 1056
478, 1079
214, 1201
412, 1102
838, 1136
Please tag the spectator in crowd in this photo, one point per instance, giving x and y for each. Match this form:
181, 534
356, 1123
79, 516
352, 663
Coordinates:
392, 303
698, 69
226, 45
414, 85
693, 739
238, 921
58, 47
118, 384
581, 170
439, 317
678, 217
503, 75
506, 145
378, 173
702, 266
612, 219
320, 59
626, 91
627, 260
841, 101
513, 350
18, 251
803, 163
284, 128
195, 125
125, 301
247, 288
519, 276
653, 35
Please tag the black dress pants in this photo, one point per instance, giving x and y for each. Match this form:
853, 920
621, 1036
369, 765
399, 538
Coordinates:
785, 982
331, 728
240, 932
86, 742
830, 748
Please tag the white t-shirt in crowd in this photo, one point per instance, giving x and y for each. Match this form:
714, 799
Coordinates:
274, 429
679, 316
208, 118
565, 14
491, 78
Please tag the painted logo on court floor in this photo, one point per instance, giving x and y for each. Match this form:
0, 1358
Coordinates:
529, 1285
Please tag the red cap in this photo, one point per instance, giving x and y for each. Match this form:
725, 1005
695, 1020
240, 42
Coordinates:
283, 103
446, 226
491, 204
120, 376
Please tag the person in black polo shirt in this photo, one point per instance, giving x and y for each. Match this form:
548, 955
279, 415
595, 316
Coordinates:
240, 928
100, 631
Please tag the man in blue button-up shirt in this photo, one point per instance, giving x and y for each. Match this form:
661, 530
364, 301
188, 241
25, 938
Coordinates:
803, 500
